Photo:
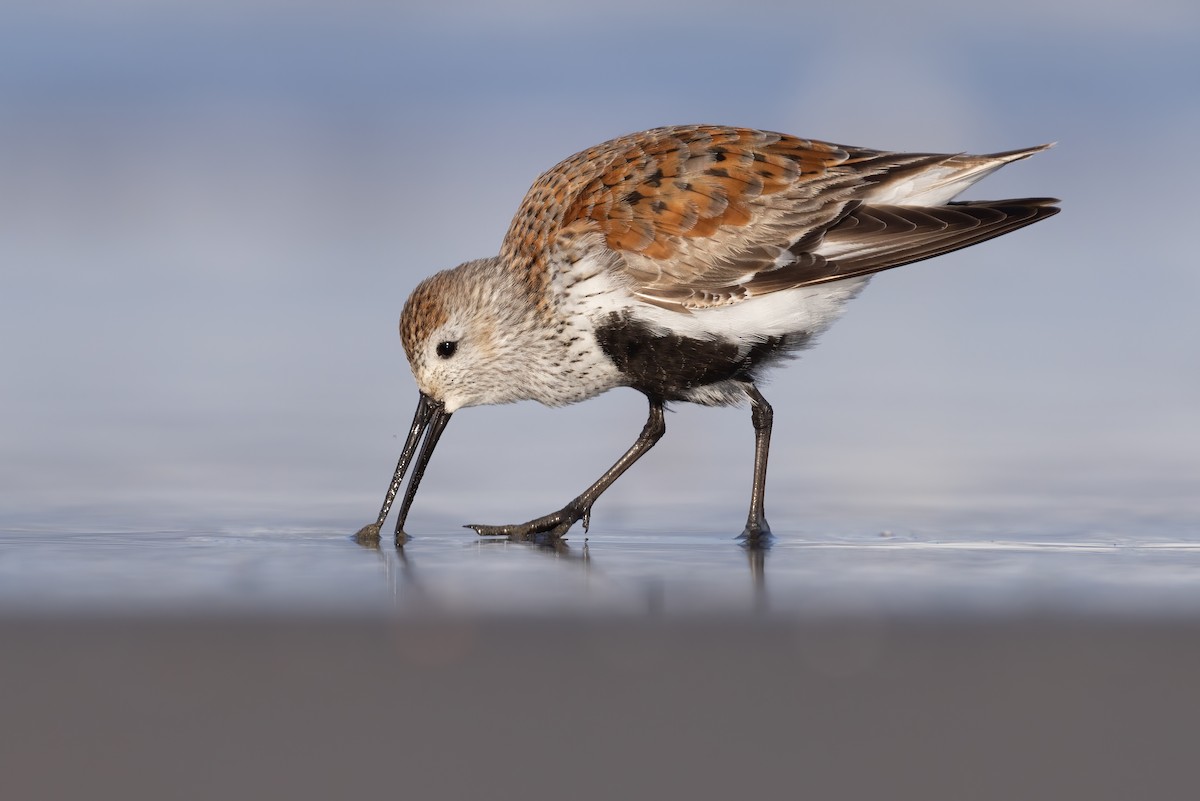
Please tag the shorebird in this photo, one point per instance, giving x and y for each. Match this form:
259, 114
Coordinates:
681, 262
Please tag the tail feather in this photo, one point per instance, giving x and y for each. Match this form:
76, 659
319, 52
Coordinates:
939, 179
1009, 156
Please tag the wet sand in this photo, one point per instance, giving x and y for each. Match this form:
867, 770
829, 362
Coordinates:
209, 706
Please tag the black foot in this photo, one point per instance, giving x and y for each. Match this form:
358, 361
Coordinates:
757, 532
550, 527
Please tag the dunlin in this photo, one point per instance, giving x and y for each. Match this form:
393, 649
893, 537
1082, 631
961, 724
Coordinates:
681, 262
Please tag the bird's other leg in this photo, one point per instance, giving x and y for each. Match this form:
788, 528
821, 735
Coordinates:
761, 415
556, 524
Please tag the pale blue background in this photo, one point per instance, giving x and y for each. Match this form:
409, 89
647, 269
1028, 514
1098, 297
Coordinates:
211, 213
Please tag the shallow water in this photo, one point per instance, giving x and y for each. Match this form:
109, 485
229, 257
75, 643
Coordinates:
939, 563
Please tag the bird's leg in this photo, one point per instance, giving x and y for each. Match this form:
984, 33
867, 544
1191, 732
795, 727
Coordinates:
556, 524
761, 415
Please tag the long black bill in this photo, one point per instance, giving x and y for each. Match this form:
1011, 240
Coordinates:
431, 419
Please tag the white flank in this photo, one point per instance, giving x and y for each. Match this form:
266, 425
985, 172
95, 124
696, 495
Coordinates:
809, 309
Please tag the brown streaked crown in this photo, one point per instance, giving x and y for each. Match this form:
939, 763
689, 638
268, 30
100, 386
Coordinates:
424, 312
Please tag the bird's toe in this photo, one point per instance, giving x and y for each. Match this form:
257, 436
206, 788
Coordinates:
550, 527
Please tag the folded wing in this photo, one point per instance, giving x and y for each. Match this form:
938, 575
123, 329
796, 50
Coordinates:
704, 216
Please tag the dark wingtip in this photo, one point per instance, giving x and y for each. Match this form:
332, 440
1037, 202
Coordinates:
1041, 207
1021, 153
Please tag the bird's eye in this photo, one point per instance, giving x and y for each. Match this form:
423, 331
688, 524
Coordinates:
446, 349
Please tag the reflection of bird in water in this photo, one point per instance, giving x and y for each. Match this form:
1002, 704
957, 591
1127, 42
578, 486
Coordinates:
681, 262
406, 590
396, 565
551, 547
756, 553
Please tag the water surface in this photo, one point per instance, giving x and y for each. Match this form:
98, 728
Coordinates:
649, 563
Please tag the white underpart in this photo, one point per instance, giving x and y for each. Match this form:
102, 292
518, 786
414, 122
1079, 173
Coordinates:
809, 310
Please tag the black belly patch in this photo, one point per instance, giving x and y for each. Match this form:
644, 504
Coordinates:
664, 366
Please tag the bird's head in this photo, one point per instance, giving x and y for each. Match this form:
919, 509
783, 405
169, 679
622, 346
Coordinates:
458, 336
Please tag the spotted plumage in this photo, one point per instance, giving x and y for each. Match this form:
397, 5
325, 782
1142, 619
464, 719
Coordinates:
681, 262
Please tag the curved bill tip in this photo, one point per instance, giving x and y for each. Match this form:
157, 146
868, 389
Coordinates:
368, 535
429, 422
